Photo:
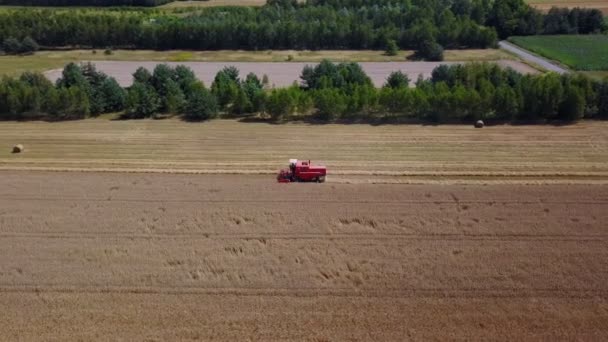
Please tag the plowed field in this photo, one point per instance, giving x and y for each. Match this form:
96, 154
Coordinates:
183, 257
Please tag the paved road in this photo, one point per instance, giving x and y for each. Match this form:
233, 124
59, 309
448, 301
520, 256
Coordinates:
542, 62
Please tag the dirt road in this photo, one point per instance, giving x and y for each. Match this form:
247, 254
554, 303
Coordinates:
166, 257
280, 74
532, 58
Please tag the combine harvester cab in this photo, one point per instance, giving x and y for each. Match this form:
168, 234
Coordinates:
302, 171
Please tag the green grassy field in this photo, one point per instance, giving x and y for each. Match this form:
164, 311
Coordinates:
579, 52
45, 60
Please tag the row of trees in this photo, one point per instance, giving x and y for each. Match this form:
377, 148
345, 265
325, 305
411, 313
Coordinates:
80, 92
572, 21
268, 27
508, 17
328, 92
285, 24
169, 90
425, 25
454, 94
12, 46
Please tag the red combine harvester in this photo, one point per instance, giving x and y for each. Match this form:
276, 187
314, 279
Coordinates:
302, 171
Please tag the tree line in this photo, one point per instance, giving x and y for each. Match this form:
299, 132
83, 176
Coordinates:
424, 25
457, 93
267, 27
327, 92
81, 92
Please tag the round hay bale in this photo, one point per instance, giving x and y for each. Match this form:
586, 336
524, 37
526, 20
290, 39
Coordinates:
479, 124
18, 148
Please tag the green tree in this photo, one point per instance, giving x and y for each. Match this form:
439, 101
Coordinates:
200, 105
37, 80
28, 45
174, 99
241, 104
430, 51
364, 99
115, 96
573, 106
142, 101
254, 89
162, 78
226, 86
397, 79
330, 103
391, 48
74, 103
11, 46
506, 103
282, 102
184, 76
602, 99
72, 75
143, 76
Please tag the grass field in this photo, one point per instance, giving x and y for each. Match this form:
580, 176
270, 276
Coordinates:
363, 152
598, 75
580, 52
45, 60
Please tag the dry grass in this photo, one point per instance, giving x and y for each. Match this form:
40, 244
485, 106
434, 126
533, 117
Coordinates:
598, 75
45, 60
576, 152
212, 3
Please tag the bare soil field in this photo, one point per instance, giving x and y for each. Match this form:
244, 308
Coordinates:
546, 5
197, 257
352, 153
281, 74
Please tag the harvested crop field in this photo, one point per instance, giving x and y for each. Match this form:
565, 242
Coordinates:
353, 153
185, 257
281, 74
546, 5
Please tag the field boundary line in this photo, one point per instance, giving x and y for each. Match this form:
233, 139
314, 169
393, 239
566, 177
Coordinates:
396, 202
311, 291
600, 238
